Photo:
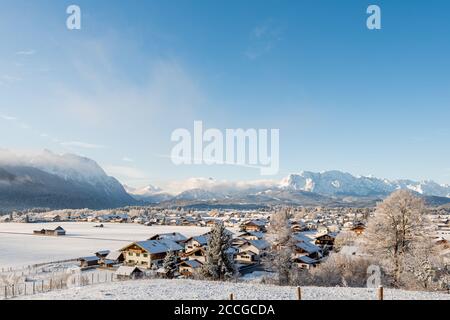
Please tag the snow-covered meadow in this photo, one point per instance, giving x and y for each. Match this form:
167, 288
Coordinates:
20, 248
160, 289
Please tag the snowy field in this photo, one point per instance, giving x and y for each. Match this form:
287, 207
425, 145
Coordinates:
19, 247
160, 289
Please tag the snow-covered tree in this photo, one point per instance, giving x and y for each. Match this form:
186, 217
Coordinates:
170, 264
219, 264
398, 227
280, 254
279, 231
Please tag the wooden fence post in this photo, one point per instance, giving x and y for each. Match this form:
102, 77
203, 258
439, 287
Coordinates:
299, 293
6, 292
231, 296
380, 293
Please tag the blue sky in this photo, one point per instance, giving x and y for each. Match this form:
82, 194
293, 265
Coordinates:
344, 97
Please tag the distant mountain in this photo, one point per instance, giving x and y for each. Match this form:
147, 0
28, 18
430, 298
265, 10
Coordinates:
57, 181
331, 188
149, 194
69, 181
340, 183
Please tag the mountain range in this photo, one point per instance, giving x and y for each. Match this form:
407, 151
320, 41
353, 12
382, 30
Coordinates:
55, 181
305, 188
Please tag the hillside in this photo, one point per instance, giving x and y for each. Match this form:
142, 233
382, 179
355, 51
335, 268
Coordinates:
56, 181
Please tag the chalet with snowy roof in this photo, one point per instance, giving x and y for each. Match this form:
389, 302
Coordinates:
254, 225
173, 236
196, 254
89, 262
188, 268
305, 262
102, 253
251, 235
252, 251
358, 228
149, 253
298, 226
326, 239
192, 243
116, 256
307, 249
129, 272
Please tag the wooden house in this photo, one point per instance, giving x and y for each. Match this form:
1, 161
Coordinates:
254, 225
195, 242
89, 262
59, 231
149, 253
198, 254
305, 262
307, 249
188, 267
358, 228
326, 239
128, 272
247, 257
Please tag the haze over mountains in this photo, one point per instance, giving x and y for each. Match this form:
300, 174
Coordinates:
69, 181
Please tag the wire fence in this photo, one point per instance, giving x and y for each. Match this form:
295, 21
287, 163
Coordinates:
56, 282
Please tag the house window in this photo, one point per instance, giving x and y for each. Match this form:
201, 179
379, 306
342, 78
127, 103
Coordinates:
138, 254
130, 254
145, 255
130, 261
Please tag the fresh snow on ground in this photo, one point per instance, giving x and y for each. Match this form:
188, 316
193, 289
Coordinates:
19, 247
160, 289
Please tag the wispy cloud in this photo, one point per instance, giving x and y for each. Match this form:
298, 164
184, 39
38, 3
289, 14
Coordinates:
127, 159
263, 39
26, 52
79, 144
10, 79
7, 118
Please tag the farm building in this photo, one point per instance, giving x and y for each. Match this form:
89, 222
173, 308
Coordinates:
87, 262
59, 231
188, 267
127, 272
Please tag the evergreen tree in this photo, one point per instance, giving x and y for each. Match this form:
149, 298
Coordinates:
170, 264
219, 264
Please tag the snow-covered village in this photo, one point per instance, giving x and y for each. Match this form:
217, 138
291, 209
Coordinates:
48, 252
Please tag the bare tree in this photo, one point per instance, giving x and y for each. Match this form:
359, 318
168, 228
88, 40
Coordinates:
397, 228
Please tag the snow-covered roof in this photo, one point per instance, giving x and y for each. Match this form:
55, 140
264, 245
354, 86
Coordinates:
307, 260
92, 258
102, 253
260, 244
174, 236
157, 246
307, 247
126, 270
115, 255
193, 263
